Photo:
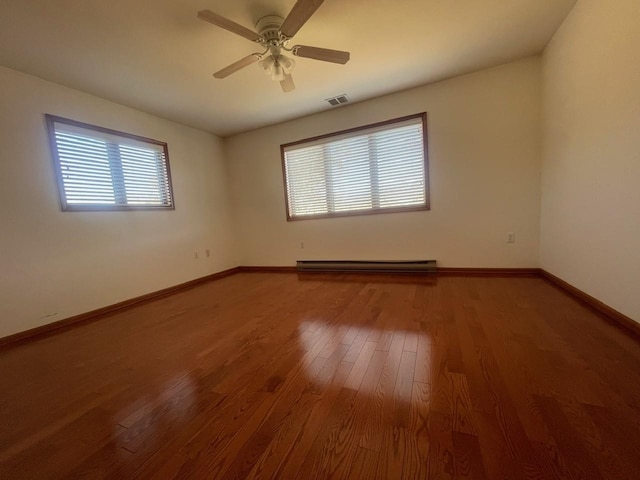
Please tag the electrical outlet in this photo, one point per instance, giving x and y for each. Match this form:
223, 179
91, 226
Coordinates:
207, 252
511, 237
195, 255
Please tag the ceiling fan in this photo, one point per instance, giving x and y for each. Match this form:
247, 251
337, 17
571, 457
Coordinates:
274, 34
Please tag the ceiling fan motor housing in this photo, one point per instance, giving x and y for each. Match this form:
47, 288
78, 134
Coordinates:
269, 27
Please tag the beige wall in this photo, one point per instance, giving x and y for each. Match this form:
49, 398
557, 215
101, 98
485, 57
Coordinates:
484, 165
591, 156
66, 263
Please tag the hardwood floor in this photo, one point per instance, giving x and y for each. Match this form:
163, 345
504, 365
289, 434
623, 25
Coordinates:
329, 376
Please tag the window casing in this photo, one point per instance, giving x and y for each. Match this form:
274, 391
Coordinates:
103, 169
377, 168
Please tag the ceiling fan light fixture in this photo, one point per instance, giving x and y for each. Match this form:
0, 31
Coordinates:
277, 74
267, 64
287, 63
277, 67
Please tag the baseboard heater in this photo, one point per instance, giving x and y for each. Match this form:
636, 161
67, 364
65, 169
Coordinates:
374, 266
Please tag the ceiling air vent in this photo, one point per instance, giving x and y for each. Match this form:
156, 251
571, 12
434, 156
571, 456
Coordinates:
339, 100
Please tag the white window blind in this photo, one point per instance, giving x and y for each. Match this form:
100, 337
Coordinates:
372, 169
98, 168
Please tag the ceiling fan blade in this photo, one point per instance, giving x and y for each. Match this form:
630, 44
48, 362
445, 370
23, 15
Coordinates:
287, 84
230, 25
234, 67
324, 54
298, 16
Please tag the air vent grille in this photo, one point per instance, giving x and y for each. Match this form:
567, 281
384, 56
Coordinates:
339, 100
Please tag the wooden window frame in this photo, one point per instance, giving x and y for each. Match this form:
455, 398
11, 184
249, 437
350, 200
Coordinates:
373, 211
51, 120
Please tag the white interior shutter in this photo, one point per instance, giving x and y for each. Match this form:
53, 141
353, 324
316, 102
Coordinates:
372, 169
101, 168
85, 169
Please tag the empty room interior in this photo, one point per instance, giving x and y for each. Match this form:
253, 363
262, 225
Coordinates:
320, 239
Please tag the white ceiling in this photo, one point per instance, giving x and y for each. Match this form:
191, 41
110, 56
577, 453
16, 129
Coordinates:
156, 56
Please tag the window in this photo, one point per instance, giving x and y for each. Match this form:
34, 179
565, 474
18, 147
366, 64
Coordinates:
102, 169
378, 168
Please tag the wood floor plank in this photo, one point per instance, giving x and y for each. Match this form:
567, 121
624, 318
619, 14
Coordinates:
381, 407
320, 417
568, 441
417, 449
393, 455
441, 457
364, 465
294, 423
468, 457
328, 450
341, 444
618, 452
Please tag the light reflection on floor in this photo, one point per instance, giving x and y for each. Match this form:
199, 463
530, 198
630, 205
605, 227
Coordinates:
372, 353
